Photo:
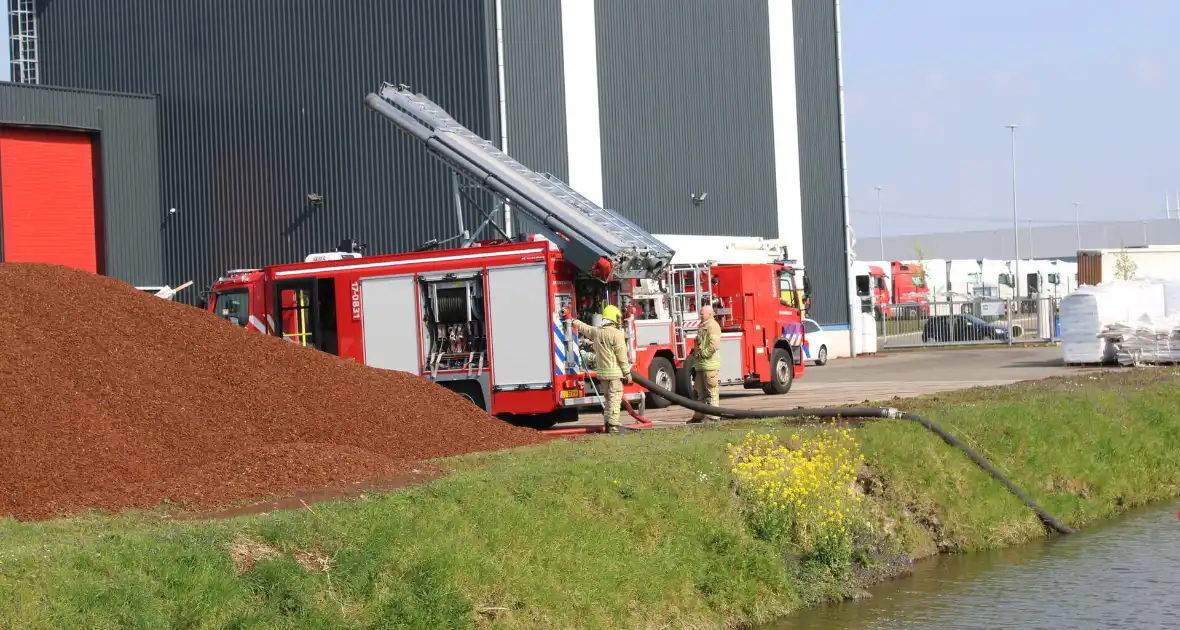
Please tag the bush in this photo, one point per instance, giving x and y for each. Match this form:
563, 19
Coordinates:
801, 493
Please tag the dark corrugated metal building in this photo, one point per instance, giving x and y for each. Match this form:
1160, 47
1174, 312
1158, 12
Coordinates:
267, 152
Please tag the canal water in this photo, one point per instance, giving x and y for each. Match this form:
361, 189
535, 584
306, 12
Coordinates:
1122, 574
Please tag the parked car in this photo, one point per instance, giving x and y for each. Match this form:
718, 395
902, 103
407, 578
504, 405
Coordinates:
943, 328
815, 343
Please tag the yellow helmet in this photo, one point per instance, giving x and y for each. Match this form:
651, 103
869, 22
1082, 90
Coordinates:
611, 313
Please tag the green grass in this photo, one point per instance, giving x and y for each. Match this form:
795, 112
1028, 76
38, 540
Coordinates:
602, 533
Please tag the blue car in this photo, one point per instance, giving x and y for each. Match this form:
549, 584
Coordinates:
951, 328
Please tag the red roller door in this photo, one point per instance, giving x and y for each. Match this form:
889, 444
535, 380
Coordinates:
47, 197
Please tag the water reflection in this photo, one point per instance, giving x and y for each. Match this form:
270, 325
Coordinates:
1125, 574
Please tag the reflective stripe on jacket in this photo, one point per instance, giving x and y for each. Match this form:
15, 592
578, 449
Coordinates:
707, 351
610, 349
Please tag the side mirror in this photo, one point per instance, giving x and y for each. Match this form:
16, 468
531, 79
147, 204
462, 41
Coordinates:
806, 286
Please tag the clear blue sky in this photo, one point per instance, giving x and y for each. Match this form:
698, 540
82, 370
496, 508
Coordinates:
929, 86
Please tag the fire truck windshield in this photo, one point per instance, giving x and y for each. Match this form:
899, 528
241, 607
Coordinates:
232, 306
786, 288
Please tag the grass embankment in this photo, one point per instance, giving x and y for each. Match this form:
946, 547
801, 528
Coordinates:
607, 533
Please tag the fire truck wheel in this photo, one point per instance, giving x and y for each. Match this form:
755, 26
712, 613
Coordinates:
542, 421
664, 375
684, 378
467, 389
782, 373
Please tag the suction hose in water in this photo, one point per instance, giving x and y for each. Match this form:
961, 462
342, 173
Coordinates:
852, 413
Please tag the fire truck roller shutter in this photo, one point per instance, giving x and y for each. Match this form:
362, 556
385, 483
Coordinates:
731, 359
518, 307
390, 323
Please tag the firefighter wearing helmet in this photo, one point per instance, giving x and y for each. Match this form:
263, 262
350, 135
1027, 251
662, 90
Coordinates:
611, 362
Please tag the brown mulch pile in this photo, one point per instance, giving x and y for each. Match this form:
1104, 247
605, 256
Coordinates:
111, 398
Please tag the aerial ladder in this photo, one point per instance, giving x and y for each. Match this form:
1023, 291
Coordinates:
598, 241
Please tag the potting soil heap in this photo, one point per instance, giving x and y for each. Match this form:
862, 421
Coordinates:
111, 398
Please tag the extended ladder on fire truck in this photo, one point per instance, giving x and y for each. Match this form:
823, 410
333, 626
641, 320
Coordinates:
597, 241
692, 288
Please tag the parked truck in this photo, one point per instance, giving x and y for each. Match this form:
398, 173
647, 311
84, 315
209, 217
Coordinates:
902, 292
484, 319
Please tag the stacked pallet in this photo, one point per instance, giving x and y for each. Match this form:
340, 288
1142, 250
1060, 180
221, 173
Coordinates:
1128, 322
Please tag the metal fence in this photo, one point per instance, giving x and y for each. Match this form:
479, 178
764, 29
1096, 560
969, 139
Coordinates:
967, 322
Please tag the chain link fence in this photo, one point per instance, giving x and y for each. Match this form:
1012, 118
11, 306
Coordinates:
967, 322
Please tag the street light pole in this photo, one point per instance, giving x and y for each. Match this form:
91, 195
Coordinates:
1077, 220
880, 225
1032, 249
1015, 218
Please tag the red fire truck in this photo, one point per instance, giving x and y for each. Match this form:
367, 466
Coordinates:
483, 319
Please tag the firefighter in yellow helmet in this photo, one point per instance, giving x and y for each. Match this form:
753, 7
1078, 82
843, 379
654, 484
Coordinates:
706, 354
611, 362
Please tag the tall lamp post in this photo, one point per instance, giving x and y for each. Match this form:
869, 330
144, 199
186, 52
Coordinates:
1015, 219
1032, 246
880, 225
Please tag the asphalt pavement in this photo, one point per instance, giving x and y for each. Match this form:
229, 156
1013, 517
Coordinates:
885, 375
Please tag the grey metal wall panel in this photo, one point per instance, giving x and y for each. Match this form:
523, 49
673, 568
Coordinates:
261, 104
534, 85
129, 194
685, 107
820, 160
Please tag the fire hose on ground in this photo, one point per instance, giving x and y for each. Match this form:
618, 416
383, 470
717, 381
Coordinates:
835, 413
641, 422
